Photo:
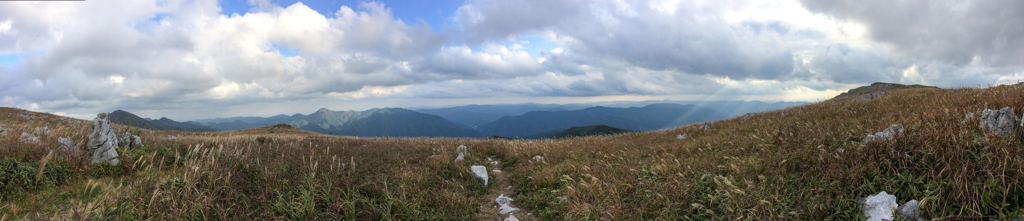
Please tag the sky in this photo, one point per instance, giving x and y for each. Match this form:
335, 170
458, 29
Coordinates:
192, 59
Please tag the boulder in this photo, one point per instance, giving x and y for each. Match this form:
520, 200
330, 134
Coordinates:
879, 207
480, 172
28, 138
137, 142
102, 146
129, 141
998, 122
888, 134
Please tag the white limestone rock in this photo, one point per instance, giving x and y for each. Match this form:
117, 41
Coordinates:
970, 116
511, 218
886, 135
681, 136
65, 143
461, 148
504, 202
137, 142
879, 207
538, 158
480, 172
871, 96
707, 125
459, 158
909, 211
998, 122
102, 146
3, 132
28, 138
40, 132
129, 141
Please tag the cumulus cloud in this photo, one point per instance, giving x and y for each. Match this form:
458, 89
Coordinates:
690, 37
958, 32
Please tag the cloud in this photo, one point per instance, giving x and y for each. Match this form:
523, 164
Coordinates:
164, 57
956, 32
689, 37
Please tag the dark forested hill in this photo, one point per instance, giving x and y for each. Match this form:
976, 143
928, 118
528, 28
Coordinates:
650, 117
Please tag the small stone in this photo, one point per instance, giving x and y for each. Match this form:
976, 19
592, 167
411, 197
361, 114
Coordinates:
707, 125
459, 158
496, 171
461, 148
511, 218
171, 137
538, 158
480, 172
880, 206
887, 134
40, 132
504, 202
970, 116
494, 163
432, 156
3, 132
28, 138
681, 136
909, 210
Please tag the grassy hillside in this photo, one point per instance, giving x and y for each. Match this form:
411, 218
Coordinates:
592, 130
809, 164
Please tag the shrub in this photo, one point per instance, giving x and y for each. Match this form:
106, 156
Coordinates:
17, 177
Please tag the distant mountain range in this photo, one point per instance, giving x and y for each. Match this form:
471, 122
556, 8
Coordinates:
386, 122
505, 120
126, 118
476, 115
650, 117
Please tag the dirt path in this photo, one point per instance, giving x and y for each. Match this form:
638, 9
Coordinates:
499, 185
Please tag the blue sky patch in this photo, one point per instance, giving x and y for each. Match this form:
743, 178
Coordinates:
435, 12
10, 60
286, 51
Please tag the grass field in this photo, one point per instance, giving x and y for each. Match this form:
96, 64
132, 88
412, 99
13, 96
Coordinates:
806, 162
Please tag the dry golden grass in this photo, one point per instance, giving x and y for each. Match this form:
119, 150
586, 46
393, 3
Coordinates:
810, 164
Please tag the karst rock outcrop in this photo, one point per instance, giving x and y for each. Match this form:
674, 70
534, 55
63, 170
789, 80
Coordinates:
102, 146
